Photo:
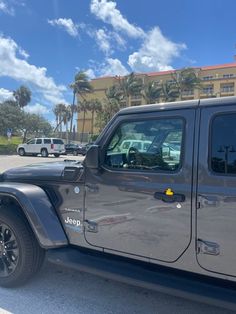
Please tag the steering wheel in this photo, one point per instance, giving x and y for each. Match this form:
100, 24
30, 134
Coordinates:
131, 155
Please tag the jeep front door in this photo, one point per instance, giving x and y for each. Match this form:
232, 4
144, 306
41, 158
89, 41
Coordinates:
139, 201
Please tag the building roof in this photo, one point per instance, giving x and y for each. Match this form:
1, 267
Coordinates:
203, 68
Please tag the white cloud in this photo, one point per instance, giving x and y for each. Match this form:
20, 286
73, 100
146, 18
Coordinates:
113, 67
119, 40
5, 94
67, 24
37, 109
20, 70
103, 41
5, 8
108, 13
156, 53
23, 53
90, 73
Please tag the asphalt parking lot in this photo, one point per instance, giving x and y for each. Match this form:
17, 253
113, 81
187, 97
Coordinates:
61, 290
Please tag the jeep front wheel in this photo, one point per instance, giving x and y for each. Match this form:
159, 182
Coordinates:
44, 152
20, 254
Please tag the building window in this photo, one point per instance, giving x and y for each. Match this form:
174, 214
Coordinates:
227, 88
188, 92
228, 75
207, 78
208, 89
223, 153
122, 104
135, 97
136, 103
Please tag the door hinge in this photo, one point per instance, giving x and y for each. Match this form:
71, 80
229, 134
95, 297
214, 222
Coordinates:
207, 247
91, 226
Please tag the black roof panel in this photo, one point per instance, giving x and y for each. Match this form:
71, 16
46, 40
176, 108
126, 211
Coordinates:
179, 105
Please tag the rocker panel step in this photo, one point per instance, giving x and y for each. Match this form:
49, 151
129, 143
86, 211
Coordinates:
162, 279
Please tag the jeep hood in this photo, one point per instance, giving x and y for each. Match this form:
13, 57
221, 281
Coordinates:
50, 171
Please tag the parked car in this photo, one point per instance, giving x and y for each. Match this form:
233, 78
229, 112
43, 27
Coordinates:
75, 149
43, 146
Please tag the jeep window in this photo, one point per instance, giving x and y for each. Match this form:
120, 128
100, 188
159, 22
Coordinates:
39, 141
223, 144
146, 145
47, 141
57, 141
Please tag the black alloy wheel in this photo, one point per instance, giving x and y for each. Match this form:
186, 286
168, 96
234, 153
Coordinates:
20, 254
9, 250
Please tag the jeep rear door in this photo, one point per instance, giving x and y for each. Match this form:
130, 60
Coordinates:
139, 202
216, 215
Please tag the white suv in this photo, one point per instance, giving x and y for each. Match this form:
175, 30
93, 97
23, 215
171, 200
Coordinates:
43, 146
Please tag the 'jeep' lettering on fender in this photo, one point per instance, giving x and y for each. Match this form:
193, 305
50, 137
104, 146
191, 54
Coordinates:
72, 221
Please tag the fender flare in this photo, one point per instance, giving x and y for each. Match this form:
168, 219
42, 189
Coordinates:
39, 212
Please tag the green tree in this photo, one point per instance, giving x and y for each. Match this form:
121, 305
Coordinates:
11, 116
22, 96
83, 107
109, 109
59, 111
66, 117
152, 92
186, 80
130, 85
169, 91
114, 94
34, 126
80, 87
94, 106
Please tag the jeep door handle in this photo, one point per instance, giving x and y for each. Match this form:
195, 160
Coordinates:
169, 198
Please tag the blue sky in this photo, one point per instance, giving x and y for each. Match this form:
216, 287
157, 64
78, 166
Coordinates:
44, 43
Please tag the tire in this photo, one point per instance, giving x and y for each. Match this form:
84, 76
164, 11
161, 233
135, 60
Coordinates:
44, 152
57, 155
20, 254
21, 152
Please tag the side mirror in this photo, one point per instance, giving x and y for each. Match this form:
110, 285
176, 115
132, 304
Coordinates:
92, 157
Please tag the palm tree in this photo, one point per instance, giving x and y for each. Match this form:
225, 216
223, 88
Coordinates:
66, 117
130, 85
83, 107
169, 91
186, 80
22, 96
152, 92
59, 109
80, 86
73, 110
95, 106
56, 113
109, 108
114, 93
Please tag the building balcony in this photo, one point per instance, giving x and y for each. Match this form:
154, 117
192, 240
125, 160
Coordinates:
136, 97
